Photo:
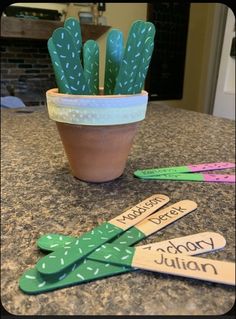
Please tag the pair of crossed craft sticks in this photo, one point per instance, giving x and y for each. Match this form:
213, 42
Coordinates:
75, 260
191, 172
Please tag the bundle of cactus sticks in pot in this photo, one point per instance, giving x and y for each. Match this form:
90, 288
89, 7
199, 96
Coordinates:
76, 65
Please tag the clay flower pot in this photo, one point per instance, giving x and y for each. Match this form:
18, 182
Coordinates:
97, 131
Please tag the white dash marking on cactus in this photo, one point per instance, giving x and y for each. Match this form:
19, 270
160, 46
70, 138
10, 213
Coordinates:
62, 261
107, 265
49, 237
125, 62
68, 27
96, 271
83, 88
42, 284
59, 45
138, 44
67, 247
60, 237
76, 34
78, 82
74, 267
125, 257
66, 252
55, 52
89, 268
129, 48
56, 63
30, 277
77, 241
80, 250
107, 257
105, 238
143, 30
120, 85
78, 41
43, 265
53, 245
71, 77
137, 55
62, 56
129, 89
62, 35
67, 65
62, 277
80, 276
110, 231
128, 251
73, 23
123, 242
73, 54
116, 248
149, 29
134, 35
68, 243
67, 86
98, 249
135, 67
52, 256
73, 89
92, 245
68, 46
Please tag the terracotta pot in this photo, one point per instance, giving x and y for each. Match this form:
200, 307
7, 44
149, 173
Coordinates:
97, 131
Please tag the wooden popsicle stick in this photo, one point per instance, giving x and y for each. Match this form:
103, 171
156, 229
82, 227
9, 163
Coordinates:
186, 266
59, 260
179, 264
188, 245
32, 282
166, 216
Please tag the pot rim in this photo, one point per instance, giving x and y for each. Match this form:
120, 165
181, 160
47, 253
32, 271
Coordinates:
96, 109
54, 92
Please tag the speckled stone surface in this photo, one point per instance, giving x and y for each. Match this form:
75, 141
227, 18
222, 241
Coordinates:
39, 195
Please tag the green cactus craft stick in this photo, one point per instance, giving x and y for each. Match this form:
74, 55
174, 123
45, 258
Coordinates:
61, 259
62, 83
142, 71
131, 63
69, 62
91, 65
73, 26
32, 282
114, 53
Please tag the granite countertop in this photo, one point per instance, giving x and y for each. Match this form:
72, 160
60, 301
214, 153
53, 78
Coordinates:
39, 195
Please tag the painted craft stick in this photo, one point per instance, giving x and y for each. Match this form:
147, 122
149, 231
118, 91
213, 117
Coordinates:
91, 65
66, 52
132, 63
196, 177
183, 169
178, 265
32, 281
114, 54
62, 258
73, 26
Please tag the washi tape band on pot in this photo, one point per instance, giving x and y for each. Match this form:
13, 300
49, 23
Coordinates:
96, 109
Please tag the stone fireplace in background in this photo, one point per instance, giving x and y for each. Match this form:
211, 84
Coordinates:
26, 70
